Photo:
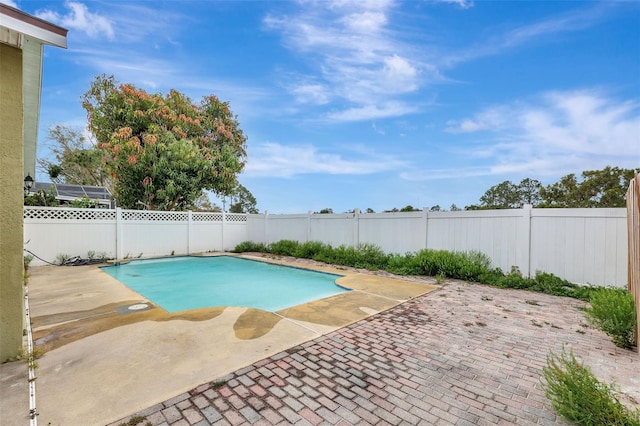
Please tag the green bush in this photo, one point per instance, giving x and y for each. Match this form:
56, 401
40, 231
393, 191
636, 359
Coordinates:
403, 265
577, 395
250, 246
613, 312
470, 266
310, 249
284, 247
370, 256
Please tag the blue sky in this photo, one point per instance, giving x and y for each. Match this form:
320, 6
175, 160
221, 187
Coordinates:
374, 104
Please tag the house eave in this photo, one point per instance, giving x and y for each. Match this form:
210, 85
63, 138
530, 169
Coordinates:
17, 21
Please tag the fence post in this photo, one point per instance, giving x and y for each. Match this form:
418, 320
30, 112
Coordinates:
425, 223
119, 234
633, 252
189, 218
356, 226
309, 213
266, 222
224, 222
525, 247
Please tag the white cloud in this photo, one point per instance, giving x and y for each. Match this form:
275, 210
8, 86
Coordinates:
79, 18
463, 4
585, 122
149, 71
355, 58
490, 119
556, 133
276, 160
574, 20
369, 112
310, 93
365, 22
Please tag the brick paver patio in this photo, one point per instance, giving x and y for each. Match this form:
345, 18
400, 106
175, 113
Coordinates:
462, 355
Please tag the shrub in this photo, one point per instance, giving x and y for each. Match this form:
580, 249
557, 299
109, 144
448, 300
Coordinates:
371, 256
367, 256
310, 249
250, 246
284, 247
469, 266
577, 395
326, 255
462, 265
403, 265
613, 312
345, 255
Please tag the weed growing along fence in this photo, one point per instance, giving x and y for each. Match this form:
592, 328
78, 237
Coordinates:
468, 266
586, 246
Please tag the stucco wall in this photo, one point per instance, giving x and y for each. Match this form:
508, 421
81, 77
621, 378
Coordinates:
11, 182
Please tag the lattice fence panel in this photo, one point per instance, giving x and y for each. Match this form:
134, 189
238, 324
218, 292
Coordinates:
62, 213
206, 217
234, 217
156, 216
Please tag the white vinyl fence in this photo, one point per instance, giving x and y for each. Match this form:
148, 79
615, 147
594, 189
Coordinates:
53, 231
586, 246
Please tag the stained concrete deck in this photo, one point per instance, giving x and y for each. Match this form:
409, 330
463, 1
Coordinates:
101, 365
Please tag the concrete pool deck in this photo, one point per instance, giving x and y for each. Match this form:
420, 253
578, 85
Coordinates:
104, 361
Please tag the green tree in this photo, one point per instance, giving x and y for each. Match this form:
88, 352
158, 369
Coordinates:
598, 188
42, 198
408, 208
242, 201
325, 211
163, 151
507, 195
454, 208
501, 196
203, 204
75, 161
529, 192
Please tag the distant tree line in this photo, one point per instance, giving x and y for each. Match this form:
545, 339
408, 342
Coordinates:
596, 188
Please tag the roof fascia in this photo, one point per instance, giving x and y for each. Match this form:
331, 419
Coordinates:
46, 32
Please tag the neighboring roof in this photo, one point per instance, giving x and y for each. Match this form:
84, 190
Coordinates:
68, 192
17, 21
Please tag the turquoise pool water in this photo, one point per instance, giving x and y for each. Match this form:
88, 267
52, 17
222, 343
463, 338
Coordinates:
184, 283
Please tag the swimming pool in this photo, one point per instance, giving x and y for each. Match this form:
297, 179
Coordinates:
184, 283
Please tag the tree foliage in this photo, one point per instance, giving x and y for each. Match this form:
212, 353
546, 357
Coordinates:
75, 161
242, 201
42, 198
598, 188
162, 151
507, 195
